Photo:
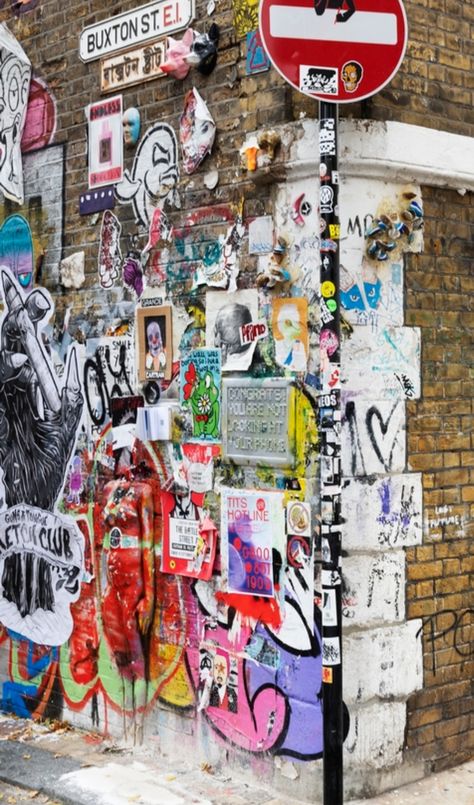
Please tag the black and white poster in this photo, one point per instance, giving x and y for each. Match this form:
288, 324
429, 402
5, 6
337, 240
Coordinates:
41, 550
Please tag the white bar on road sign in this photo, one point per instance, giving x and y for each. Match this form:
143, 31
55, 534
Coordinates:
366, 27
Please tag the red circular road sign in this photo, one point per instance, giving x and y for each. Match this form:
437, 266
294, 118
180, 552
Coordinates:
335, 50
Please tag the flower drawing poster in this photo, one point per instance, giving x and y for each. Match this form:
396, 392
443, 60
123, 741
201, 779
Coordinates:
253, 525
200, 385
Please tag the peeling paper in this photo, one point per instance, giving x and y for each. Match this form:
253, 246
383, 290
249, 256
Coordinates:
72, 270
197, 131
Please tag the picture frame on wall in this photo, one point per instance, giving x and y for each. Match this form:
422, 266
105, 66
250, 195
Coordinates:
155, 343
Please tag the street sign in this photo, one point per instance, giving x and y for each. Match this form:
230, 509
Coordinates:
335, 50
156, 19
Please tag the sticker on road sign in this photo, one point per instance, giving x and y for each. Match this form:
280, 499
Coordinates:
318, 79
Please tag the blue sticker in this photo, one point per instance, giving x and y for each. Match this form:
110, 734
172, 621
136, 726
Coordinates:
257, 60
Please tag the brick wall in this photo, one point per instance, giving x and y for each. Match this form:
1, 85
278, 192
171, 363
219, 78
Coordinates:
439, 299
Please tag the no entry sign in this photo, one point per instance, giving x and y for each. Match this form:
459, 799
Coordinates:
335, 50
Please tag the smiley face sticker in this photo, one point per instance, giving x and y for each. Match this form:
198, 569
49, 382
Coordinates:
328, 289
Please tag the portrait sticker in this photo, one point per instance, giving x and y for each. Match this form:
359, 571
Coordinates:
290, 331
155, 345
224, 318
218, 678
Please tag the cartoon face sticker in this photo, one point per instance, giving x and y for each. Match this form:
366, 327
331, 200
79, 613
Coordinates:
351, 75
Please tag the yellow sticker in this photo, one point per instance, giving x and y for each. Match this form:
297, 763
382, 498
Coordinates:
335, 231
328, 288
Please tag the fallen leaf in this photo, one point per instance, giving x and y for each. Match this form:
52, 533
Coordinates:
27, 757
33, 794
207, 768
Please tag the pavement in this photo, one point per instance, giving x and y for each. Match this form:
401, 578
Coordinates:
53, 763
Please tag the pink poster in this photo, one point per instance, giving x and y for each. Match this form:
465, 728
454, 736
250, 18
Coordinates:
253, 524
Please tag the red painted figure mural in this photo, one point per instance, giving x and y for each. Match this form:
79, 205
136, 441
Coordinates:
127, 521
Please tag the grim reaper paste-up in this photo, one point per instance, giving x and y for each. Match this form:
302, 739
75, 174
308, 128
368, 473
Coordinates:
41, 551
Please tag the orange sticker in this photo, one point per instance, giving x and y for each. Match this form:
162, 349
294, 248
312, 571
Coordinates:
327, 675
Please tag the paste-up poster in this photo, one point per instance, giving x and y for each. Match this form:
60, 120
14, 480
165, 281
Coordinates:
15, 74
225, 316
198, 465
200, 384
290, 331
41, 549
105, 142
109, 370
218, 678
189, 537
253, 523
110, 255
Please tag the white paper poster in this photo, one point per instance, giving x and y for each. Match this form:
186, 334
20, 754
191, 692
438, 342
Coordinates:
105, 142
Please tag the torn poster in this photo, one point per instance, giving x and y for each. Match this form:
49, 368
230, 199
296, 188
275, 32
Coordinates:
253, 524
224, 319
200, 384
197, 131
15, 75
105, 142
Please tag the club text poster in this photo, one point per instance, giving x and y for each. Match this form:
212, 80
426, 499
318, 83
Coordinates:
253, 524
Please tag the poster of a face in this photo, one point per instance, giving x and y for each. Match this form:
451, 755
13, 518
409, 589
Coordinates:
105, 142
197, 131
155, 346
290, 331
224, 317
200, 391
218, 679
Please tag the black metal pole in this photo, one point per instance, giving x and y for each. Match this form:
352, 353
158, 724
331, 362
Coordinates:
330, 447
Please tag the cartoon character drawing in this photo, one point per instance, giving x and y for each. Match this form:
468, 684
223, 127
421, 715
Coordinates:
154, 175
202, 395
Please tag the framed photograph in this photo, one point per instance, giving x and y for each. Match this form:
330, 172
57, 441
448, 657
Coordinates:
155, 343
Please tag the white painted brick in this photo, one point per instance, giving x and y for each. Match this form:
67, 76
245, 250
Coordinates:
383, 365
376, 735
375, 588
384, 662
373, 440
382, 512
